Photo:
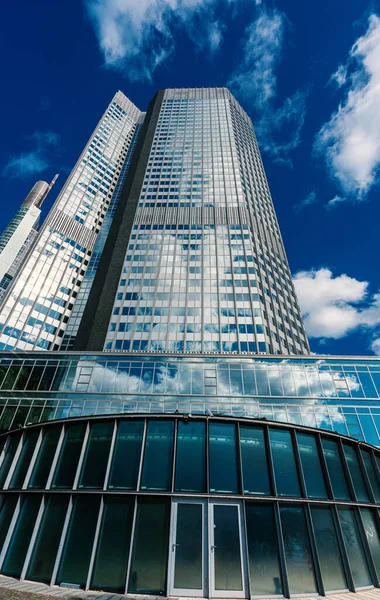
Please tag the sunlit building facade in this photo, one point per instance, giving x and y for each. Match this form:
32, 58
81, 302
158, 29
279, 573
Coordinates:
40, 300
178, 439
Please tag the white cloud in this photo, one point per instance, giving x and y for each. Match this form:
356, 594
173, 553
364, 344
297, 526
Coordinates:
34, 161
339, 78
335, 306
350, 140
310, 199
254, 81
334, 202
255, 77
136, 36
375, 346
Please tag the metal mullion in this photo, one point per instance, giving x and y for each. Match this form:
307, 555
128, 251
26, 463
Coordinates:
62, 540
367, 551
81, 457
343, 549
269, 457
110, 457
142, 454
281, 551
207, 453
95, 544
297, 457
14, 461
33, 538
174, 453
365, 474
5, 449
324, 466
56, 457
239, 459
245, 546
33, 459
131, 545
10, 530
346, 471
314, 551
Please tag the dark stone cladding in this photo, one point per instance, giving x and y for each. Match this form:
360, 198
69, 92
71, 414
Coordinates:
96, 317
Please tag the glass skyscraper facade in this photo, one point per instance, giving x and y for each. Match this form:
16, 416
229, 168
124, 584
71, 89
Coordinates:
205, 268
167, 392
39, 303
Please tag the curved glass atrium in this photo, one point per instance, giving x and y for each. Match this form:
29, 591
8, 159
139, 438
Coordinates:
189, 506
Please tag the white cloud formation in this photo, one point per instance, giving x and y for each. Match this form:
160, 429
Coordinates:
34, 161
350, 140
310, 199
339, 78
136, 36
335, 306
254, 81
375, 346
334, 202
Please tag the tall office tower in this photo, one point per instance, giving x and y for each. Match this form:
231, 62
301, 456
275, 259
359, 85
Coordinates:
19, 235
88, 279
194, 261
40, 301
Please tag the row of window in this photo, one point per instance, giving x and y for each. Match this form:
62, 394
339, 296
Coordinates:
89, 540
194, 456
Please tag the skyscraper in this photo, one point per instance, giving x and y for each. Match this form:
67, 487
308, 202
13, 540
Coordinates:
40, 301
174, 436
19, 234
198, 264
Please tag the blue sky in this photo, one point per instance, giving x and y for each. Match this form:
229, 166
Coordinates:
308, 73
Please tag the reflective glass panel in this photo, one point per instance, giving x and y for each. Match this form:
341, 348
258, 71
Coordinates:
8, 505
335, 468
371, 474
254, 460
356, 473
150, 547
311, 466
297, 551
328, 550
79, 540
18, 547
110, 569
49, 534
354, 547
284, 463
223, 458
23, 462
96, 457
227, 555
126, 457
372, 534
264, 565
45, 457
188, 572
158, 457
9, 456
190, 473
68, 459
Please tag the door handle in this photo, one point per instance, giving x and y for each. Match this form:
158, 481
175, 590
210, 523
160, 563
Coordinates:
174, 546
212, 548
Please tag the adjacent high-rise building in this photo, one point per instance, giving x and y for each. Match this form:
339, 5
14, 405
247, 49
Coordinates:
164, 429
40, 301
18, 236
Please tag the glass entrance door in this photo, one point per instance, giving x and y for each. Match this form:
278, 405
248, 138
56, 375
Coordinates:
226, 551
187, 572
